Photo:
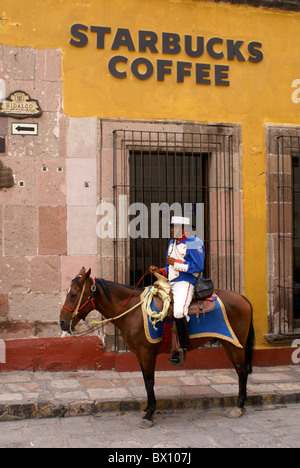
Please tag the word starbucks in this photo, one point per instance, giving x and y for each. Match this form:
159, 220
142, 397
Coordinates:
172, 44
138, 221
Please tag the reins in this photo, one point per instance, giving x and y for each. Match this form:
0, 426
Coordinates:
116, 316
100, 322
95, 324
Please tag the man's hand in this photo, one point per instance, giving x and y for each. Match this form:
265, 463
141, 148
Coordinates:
170, 261
154, 269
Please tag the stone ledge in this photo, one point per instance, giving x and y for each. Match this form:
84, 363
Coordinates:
288, 5
13, 412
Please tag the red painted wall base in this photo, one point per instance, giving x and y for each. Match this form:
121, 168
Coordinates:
86, 353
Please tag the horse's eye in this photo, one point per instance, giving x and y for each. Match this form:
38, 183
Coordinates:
73, 296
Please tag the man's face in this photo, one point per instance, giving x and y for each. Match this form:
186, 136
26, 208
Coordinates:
177, 231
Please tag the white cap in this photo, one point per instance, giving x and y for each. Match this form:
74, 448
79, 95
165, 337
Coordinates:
180, 220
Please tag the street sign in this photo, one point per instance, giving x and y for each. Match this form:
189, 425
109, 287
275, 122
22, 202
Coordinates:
19, 105
24, 128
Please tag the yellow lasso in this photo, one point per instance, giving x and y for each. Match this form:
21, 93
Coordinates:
155, 316
162, 291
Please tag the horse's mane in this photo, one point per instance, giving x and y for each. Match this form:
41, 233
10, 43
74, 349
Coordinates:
104, 287
104, 284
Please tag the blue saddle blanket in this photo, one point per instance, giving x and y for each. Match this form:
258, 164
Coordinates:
213, 324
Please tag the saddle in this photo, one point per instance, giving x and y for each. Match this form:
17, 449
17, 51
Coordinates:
201, 307
197, 307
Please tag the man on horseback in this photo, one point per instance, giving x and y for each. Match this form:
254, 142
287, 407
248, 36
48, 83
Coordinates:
185, 262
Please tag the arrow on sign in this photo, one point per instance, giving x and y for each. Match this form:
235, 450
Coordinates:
25, 129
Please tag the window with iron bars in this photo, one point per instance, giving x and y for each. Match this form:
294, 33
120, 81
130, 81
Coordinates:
157, 173
284, 234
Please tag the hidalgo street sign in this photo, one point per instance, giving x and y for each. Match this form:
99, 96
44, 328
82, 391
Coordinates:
19, 105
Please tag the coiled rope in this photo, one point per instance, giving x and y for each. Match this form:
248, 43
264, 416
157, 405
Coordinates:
156, 316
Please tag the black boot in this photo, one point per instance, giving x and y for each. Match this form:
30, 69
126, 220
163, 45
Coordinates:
175, 358
183, 337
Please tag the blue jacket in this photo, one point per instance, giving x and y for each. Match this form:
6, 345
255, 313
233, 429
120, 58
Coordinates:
191, 261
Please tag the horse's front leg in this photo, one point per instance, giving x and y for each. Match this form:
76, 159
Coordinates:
147, 363
151, 400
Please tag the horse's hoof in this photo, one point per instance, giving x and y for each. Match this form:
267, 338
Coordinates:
236, 413
145, 423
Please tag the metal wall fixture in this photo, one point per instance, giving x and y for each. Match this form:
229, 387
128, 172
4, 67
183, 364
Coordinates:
287, 252
6, 176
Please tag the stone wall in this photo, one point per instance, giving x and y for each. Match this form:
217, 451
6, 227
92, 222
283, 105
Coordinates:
48, 218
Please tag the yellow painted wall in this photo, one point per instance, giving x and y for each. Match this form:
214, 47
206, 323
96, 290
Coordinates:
259, 93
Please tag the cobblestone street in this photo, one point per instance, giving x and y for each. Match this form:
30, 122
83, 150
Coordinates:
31, 395
268, 427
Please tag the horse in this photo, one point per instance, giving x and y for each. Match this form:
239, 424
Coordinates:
86, 294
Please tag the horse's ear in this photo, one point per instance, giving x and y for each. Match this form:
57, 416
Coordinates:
88, 273
82, 272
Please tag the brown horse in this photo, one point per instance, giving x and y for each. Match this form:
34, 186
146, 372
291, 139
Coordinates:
86, 294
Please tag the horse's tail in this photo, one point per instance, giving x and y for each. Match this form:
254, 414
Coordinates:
249, 348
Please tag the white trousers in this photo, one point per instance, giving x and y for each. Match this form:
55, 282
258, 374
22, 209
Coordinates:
182, 297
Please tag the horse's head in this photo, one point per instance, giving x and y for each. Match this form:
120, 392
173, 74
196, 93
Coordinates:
79, 301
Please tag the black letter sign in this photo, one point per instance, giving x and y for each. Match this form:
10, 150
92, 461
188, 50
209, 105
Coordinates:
257, 54
75, 31
135, 68
100, 35
123, 38
112, 66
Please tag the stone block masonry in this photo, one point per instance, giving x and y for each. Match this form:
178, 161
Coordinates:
42, 246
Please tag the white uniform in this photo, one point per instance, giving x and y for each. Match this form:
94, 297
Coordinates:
189, 255
183, 293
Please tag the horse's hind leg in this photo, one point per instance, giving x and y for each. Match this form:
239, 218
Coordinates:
238, 359
242, 398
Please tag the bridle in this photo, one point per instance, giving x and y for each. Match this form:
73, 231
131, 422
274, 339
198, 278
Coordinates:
90, 300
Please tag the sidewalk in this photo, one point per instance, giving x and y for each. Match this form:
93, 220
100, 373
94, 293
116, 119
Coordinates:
31, 395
